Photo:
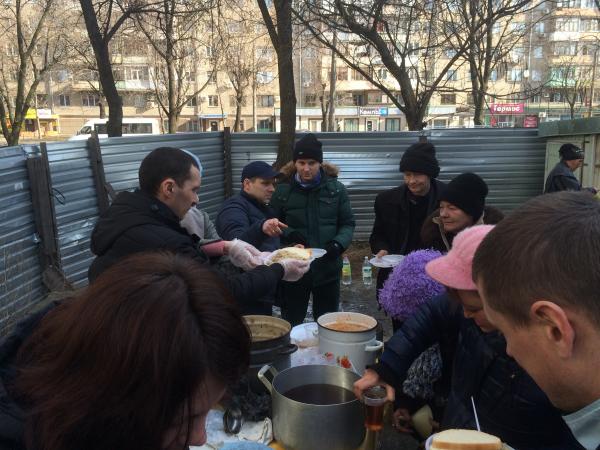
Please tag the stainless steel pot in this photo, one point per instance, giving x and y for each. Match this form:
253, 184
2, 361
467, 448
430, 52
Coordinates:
300, 425
270, 345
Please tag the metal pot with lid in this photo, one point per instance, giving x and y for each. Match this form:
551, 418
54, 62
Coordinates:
270, 345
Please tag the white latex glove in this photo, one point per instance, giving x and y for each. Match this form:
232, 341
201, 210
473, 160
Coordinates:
243, 255
294, 269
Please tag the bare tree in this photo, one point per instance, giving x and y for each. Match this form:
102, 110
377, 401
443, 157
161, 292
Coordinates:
396, 46
103, 19
280, 32
571, 81
34, 42
173, 34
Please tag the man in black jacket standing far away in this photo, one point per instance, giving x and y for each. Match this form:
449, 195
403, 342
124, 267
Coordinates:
148, 219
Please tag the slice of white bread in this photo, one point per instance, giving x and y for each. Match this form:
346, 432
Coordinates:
291, 252
465, 440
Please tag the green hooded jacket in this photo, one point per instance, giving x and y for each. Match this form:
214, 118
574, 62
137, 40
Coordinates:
321, 214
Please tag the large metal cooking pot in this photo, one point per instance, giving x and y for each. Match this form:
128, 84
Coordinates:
357, 341
300, 423
270, 345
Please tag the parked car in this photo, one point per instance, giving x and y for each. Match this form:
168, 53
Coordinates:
132, 126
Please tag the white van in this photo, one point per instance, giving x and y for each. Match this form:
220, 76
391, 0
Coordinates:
132, 126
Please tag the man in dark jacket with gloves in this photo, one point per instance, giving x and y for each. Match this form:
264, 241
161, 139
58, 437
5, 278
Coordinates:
316, 208
400, 212
149, 219
248, 216
561, 178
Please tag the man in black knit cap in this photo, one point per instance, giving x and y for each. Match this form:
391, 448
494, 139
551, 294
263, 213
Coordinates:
400, 212
562, 178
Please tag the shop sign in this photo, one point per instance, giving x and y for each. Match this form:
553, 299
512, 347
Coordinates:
373, 111
530, 121
507, 108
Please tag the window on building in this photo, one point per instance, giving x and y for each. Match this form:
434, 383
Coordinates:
310, 100
450, 53
494, 75
213, 100
358, 99
234, 27
264, 53
448, 99
538, 52
210, 52
265, 77
265, 125
341, 73
89, 100
539, 27
189, 76
42, 100
61, 75
193, 125
309, 52
536, 75
64, 100
350, 124
137, 73
567, 24
211, 76
266, 101
192, 101
518, 26
392, 124
565, 48
357, 76
139, 100
440, 123
515, 74
555, 97
452, 75
382, 73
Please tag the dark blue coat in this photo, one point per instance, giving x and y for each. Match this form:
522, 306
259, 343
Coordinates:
509, 403
561, 178
242, 217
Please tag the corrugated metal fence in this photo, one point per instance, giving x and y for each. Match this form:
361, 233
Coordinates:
511, 161
20, 269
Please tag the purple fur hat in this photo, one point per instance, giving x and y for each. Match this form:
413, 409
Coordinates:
409, 285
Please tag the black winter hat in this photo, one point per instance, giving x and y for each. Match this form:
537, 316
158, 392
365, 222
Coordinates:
569, 152
467, 191
420, 158
309, 147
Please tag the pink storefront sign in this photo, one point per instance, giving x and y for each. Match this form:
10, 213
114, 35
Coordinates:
507, 108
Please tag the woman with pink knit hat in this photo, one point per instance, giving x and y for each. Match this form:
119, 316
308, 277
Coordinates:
509, 403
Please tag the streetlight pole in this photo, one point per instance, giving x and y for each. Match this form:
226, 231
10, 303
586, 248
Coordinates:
593, 81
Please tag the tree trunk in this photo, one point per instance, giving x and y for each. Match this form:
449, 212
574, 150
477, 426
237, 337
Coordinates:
479, 102
414, 118
114, 127
285, 65
238, 112
332, 79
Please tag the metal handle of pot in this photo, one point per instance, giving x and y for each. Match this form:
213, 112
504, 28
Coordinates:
287, 349
263, 379
374, 346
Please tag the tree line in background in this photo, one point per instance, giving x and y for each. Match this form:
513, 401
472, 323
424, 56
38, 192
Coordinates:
408, 50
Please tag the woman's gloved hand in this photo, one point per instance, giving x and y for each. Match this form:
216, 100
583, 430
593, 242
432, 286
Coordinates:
243, 255
294, 269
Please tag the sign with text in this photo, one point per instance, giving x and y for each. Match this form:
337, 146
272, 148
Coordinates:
530, 121
373, 111
507, 108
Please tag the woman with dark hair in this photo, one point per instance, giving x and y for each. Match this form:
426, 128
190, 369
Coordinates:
135, 361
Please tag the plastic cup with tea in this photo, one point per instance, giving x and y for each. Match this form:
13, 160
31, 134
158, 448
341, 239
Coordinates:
374, 400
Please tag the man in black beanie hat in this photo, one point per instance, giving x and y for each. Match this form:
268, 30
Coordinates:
561, 178
316, 208
400, 212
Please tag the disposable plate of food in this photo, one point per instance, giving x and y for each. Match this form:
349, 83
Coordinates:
309, 254
387, 261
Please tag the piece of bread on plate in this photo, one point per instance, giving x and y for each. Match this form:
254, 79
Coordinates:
303, 254
465, 440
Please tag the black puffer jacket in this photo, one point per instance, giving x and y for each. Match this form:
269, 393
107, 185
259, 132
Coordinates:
137, 222
509, 403
561, 178
390, 229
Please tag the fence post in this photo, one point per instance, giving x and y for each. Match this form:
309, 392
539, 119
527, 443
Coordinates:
38, 170
103, 189
227, 164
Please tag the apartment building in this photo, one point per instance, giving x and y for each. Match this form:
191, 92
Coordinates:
553, 63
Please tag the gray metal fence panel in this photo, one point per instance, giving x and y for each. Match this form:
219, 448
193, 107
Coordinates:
20, 270
122, 158
510, 160
76, 205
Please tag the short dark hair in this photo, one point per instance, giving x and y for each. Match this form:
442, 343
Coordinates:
549, 248
163, 163
113, 367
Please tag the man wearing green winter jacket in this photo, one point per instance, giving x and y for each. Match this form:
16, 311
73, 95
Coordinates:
316, 208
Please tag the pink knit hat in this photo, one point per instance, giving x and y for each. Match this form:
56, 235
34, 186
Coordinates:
454, 268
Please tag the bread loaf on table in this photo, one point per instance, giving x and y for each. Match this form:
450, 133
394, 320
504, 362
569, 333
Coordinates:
465, 440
